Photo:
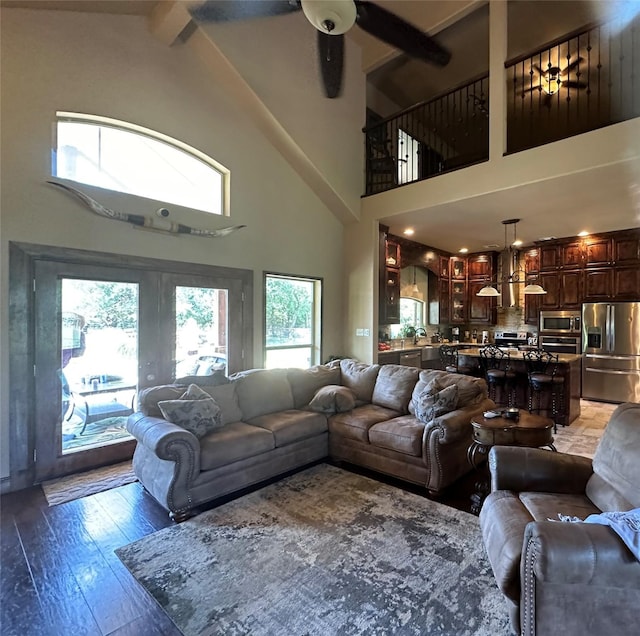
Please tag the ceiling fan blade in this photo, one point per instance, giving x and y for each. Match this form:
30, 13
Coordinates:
227, 11
572, 84
538, 70
399, 33
568, 69
331, 58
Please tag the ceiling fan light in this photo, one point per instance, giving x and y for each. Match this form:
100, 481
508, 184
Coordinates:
330, 16
488, 292
534, 289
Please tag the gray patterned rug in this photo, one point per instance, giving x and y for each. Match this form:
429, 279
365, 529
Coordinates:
323, 552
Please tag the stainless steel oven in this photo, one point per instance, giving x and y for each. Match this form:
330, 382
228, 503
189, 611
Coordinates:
561, 322
560, 344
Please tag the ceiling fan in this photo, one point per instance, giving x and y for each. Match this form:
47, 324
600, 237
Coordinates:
332, 18
551, 79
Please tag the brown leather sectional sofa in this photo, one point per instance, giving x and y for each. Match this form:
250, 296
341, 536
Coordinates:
277, 420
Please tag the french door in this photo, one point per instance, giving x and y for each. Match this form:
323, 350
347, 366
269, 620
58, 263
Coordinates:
103, 332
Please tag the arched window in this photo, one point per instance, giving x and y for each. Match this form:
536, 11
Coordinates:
127, 158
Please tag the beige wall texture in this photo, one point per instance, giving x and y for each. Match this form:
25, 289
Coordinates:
113, 66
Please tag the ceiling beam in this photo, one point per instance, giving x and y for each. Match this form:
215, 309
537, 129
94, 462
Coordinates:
168, 20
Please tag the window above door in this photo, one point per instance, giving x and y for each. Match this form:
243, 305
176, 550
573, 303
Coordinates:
131, 159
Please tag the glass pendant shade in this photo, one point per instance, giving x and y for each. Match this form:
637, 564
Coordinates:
330, 16
534, 289
488, 292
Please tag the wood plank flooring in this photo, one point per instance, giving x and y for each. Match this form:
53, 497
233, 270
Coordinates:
60, 575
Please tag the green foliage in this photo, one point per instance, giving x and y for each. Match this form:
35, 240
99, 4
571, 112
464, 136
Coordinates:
288, 306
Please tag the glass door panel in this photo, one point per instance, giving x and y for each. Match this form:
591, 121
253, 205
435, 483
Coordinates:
201, 331
98, 361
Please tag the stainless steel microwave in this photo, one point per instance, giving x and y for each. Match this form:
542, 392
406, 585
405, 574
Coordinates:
560, 322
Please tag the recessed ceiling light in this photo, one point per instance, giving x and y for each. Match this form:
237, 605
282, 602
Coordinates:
463, 250
517, 243
409, 231
583, 233
491, 246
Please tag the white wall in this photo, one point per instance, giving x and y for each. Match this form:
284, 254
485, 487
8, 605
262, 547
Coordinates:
112, 66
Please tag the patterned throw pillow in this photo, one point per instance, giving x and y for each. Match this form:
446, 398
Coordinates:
196, 411
436, 400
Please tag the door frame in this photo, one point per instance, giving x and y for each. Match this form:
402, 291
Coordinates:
22, 341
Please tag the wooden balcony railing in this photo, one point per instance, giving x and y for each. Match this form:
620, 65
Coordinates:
586, 80
448, 132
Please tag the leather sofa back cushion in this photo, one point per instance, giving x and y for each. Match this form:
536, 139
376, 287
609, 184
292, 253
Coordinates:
616, 468
305, 382
262, 391
471, 391
359, 377
394, 386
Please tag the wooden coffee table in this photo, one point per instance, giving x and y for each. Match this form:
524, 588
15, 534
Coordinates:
529, 430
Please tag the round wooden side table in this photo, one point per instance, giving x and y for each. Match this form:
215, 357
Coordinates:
529, 430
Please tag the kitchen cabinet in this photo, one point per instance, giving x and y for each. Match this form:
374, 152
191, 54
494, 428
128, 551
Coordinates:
481, 309
480, 266
626, 248
532, 260
389, 277
444, 267
570, 287
458, 300
618, 283
598, 252
551, 283
443, 300
549, 258
626, 283
571, 255
532, 303
598, 284
458, 268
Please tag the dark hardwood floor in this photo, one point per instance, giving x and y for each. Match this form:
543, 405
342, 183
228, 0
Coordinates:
60, 576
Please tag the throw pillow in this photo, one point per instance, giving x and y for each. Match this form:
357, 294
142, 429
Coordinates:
333, 398
196, 411
436, 400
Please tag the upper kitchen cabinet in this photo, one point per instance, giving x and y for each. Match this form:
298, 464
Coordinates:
571, 255
458, 268
626, 248
598, 251
481, 266
549, 257
532, 260
389, 277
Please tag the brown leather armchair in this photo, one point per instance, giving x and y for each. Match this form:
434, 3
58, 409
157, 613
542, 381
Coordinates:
561, 577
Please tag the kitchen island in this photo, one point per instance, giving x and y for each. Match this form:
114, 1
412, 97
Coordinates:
569, 367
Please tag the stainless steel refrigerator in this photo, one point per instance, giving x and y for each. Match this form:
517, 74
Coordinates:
611, 348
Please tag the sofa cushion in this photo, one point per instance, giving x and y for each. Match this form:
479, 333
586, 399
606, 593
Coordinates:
293, 425
616, 469
232, 443
262, 391
435, 400
359, 377
471, 391
305, 382
356, 424
333, 398
225, 396
147, 401
394, 386
401, 434
196, 411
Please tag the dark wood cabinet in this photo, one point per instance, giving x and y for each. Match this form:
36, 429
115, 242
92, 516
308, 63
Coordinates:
626, 248
549, 258
532, 260
444, 267
480, 266
458, 300
598, 252
626, 283
570, 287
598, 284
481, 309
532, 303
551, 283
458, 268
392, 296
443, 297
389, 275
571, 255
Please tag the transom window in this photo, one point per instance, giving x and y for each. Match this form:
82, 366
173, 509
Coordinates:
127, 158
292, 321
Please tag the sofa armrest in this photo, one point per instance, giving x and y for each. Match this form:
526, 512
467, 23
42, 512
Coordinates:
580, 576
456, 425
537, 470
166, 440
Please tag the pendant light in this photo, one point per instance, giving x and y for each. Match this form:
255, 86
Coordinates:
415, 292
518, 276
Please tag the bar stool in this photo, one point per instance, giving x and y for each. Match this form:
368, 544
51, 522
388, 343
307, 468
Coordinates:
495, 364
542, 368
449, 361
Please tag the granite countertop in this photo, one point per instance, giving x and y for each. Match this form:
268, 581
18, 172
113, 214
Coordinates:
563, 358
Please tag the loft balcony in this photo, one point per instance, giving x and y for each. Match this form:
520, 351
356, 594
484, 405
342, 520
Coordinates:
585, 80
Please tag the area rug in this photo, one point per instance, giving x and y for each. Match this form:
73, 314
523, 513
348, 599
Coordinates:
323, 552
58, 491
